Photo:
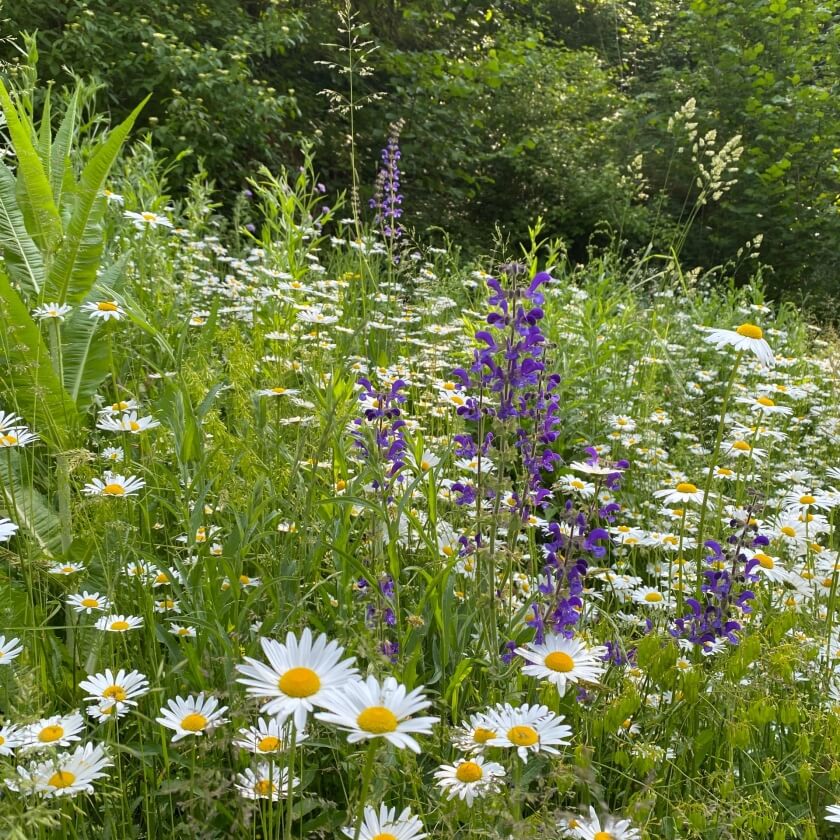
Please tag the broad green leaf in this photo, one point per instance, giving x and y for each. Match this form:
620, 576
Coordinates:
60, 155
23, 259
28, 382
24, 505
33, 187
74, 271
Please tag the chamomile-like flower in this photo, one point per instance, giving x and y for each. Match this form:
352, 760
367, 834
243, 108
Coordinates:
530, 729
87, 602
104, 310
747, 337
128, 422
120, 689
191, 715
118, 623
147, 219
563, 661
683, 492
833, 813
16, 437
386, 825
474, 735
298, 676
593, 828
269, 736
55, 731
7, 529
9, 649
56, 311
267, 781
365, 709
64, 775
114, 485
11, 737
470, 778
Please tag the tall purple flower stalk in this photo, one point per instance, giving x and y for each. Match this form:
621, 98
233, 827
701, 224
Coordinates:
387, 198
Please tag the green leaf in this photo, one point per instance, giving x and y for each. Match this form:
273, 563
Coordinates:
27, 378
23, 259
60, 154
27, 507
74, 271
33, 187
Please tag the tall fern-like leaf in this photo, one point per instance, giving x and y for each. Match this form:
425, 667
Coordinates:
23, 504
33, 188
74, 271
23, 259
60, 153
28, 382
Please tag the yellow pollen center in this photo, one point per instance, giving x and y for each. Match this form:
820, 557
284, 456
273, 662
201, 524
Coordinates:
113, 490
741, 446
560, 662
764, 561
807, 500
61, 779
183, 632
788, 531
603, 835
89, 602
9, 440
148, 217
119, 625
194, 722
51, 733
377, 720
115, 692
425, 465
161, 577
264, 787
384, 835
724, 471
686, 487
750, 331
523, 736
653, 597
268, 744
106, 306
448, 551
299, 682
766, 401
119, 406
482, 736
134, 425
469, 771
678, 511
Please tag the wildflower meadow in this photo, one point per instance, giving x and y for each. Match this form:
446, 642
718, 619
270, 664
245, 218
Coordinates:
312, 529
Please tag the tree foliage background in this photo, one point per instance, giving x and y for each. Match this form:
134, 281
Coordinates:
512, 109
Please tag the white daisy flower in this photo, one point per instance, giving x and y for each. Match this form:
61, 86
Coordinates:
365, 709
118, 623
746, 337
87, 602
268, 781
474, 735
267, 737
114, 485
7, 529
11, 737
277, 392
530, 729
147, 219
765, 405
768, 567
183, 631
298, 676
64, 775
128, 422
592, 828
119, 689
563, 661
55, 731
386, 825
16, 437
9, 649
683, 492
470, 778
833, 814
648, 596
115, 454
191, 715
105, 310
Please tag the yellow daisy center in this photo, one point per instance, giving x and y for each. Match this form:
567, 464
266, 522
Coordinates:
9, 440
653, 597
278, 390
764, 561
686, 487
482, 736
133, 425
51, 733
119, 625
148, 217
788, 531
113, 489
425, 466
268, 744
678, 511
559, 661
448, 551
106, 306
264, 787
807, 499
603, 835
724, 471
741, 446
115, 692
469, 771
299, 682
748, 331
183, 631
89, 602
766, 401
523, 736
61, 779
377, 720
161, 577
194, 722
384, 835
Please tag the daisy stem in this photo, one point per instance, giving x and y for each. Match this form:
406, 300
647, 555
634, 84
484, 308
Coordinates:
363, 791
710, 475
